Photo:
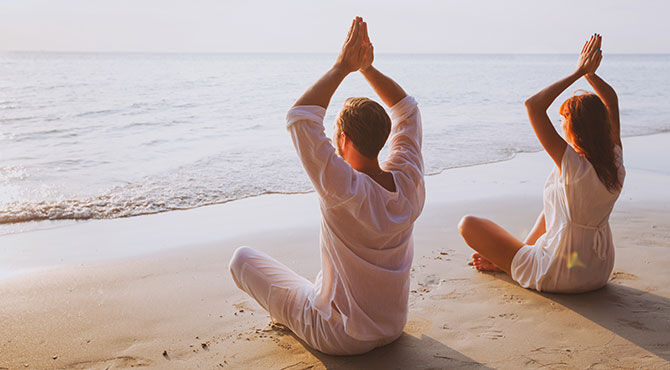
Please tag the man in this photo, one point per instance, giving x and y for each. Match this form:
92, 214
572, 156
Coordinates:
359, 299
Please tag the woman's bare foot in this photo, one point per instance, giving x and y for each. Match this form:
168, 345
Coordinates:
482, 264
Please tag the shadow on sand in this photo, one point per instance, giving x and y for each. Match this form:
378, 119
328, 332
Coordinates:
407, 352
641, 317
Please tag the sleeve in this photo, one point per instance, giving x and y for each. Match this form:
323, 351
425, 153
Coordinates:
333, 179
406, 133
573, 166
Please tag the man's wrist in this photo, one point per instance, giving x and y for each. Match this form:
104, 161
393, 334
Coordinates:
341, 69
367, 69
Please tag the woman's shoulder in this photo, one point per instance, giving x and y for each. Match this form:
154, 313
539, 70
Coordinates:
573, 164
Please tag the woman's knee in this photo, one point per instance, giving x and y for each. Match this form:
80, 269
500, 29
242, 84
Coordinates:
466, 224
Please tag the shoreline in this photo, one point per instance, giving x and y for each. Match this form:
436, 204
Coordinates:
256, 203
17, 227
121, 292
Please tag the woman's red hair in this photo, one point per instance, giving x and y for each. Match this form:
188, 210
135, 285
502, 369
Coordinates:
588, 127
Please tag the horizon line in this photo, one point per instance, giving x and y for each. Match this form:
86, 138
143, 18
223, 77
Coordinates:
301, 52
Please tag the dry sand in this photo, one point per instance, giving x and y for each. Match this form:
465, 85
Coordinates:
155, 290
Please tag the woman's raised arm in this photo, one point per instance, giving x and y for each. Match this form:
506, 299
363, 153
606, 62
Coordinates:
610, 99
537, 105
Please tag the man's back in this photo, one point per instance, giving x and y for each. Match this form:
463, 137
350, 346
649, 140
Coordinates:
359, 299
366, 231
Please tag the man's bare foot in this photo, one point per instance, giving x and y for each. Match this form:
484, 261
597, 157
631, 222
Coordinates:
482, 264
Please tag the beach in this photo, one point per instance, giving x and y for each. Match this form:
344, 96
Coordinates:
155, 290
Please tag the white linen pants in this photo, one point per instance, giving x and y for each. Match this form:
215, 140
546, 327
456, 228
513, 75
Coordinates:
285, 295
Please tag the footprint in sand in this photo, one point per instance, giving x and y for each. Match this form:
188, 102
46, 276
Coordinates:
116, 362
509, 316
633, 324
449, 296
443, 254
426, 284
512, 298
430, 280
487, 331
622, 275
458, 280
493, 334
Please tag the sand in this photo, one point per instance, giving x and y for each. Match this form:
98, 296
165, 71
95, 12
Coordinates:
155, 291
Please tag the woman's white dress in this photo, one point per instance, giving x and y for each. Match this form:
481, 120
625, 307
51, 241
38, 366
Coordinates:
576, 254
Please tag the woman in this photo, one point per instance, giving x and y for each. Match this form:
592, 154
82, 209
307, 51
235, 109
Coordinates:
570, 247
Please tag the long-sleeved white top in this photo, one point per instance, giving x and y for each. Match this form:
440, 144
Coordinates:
366, 230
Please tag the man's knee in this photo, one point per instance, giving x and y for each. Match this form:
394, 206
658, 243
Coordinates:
240, 256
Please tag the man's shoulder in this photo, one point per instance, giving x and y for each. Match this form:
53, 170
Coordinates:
403, 109
309, 113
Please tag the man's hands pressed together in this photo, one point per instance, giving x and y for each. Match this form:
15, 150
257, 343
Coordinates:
357, 52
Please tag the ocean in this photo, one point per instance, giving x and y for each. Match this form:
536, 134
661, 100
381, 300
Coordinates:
104, 135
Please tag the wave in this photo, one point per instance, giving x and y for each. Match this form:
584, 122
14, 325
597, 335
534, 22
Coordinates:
99, 112
109, 207
211, 180
185, 191
15, 119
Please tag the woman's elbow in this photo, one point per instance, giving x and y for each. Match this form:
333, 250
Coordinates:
534, 106
612, 101
529, 103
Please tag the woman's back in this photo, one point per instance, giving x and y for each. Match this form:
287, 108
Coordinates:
578, 242
590, 202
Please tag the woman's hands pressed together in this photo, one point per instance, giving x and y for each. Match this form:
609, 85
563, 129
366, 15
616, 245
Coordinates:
590, 56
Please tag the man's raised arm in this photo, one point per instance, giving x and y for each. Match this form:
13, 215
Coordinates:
387, 89
331, 176
356, 54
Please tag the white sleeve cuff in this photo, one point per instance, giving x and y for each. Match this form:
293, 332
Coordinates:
313, 113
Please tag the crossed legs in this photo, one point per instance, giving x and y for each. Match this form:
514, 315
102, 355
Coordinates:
494, 245
278, 289
286, 296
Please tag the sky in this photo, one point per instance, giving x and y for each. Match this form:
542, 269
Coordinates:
305, 26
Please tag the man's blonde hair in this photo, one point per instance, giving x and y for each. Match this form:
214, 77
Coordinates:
366, 124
